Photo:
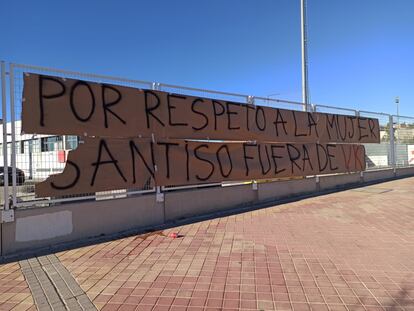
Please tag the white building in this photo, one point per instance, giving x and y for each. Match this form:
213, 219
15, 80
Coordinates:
37, 155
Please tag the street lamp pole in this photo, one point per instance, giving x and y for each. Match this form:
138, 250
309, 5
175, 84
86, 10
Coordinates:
305, 93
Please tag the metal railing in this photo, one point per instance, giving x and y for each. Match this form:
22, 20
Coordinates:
38, 152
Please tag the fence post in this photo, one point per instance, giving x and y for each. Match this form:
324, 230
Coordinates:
250, 101
392, 143
159, 194
314, 109
13, 132
7, 214
357, 114
4, 121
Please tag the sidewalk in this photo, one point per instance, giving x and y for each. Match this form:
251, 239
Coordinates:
14, 292
352, 250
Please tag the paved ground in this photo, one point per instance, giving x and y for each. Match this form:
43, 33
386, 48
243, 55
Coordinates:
14, 291
352, 250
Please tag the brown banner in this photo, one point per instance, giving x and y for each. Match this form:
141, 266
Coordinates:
55, 105
102, 164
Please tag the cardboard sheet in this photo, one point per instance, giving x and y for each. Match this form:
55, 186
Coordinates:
101, 164
53, 105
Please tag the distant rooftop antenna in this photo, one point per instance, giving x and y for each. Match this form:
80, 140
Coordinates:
305, 92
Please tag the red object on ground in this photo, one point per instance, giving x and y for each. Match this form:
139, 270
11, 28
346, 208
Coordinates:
61, 156
174, 235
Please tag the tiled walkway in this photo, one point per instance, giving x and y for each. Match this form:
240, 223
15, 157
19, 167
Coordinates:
14, 291
352, 250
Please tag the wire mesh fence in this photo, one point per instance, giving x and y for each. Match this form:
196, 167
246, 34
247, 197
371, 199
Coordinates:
34, 157
379, 155
404, 140
3, 147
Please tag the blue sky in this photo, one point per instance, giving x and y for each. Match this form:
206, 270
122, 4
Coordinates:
361, 53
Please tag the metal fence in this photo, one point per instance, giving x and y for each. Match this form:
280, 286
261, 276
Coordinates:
39, 156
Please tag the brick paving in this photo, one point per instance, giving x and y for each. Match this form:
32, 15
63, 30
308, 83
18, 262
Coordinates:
14, 291
352, 250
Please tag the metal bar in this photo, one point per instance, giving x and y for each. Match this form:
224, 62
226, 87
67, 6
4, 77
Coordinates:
4, 116
75, 73
152, 190
227, 93
13, 133
230, 94
392, 142
191, 186
236, 183
71, 199
377, 113
361, 173
201, 90
251, 100
337, 108
304, 48
403, 117
278, 100
96, 76
159, 196
51, 201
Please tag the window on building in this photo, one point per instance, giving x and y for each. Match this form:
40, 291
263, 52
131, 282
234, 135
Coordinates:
22, 144
52, 143
35, 145
44, 144
71, 142
17, 147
